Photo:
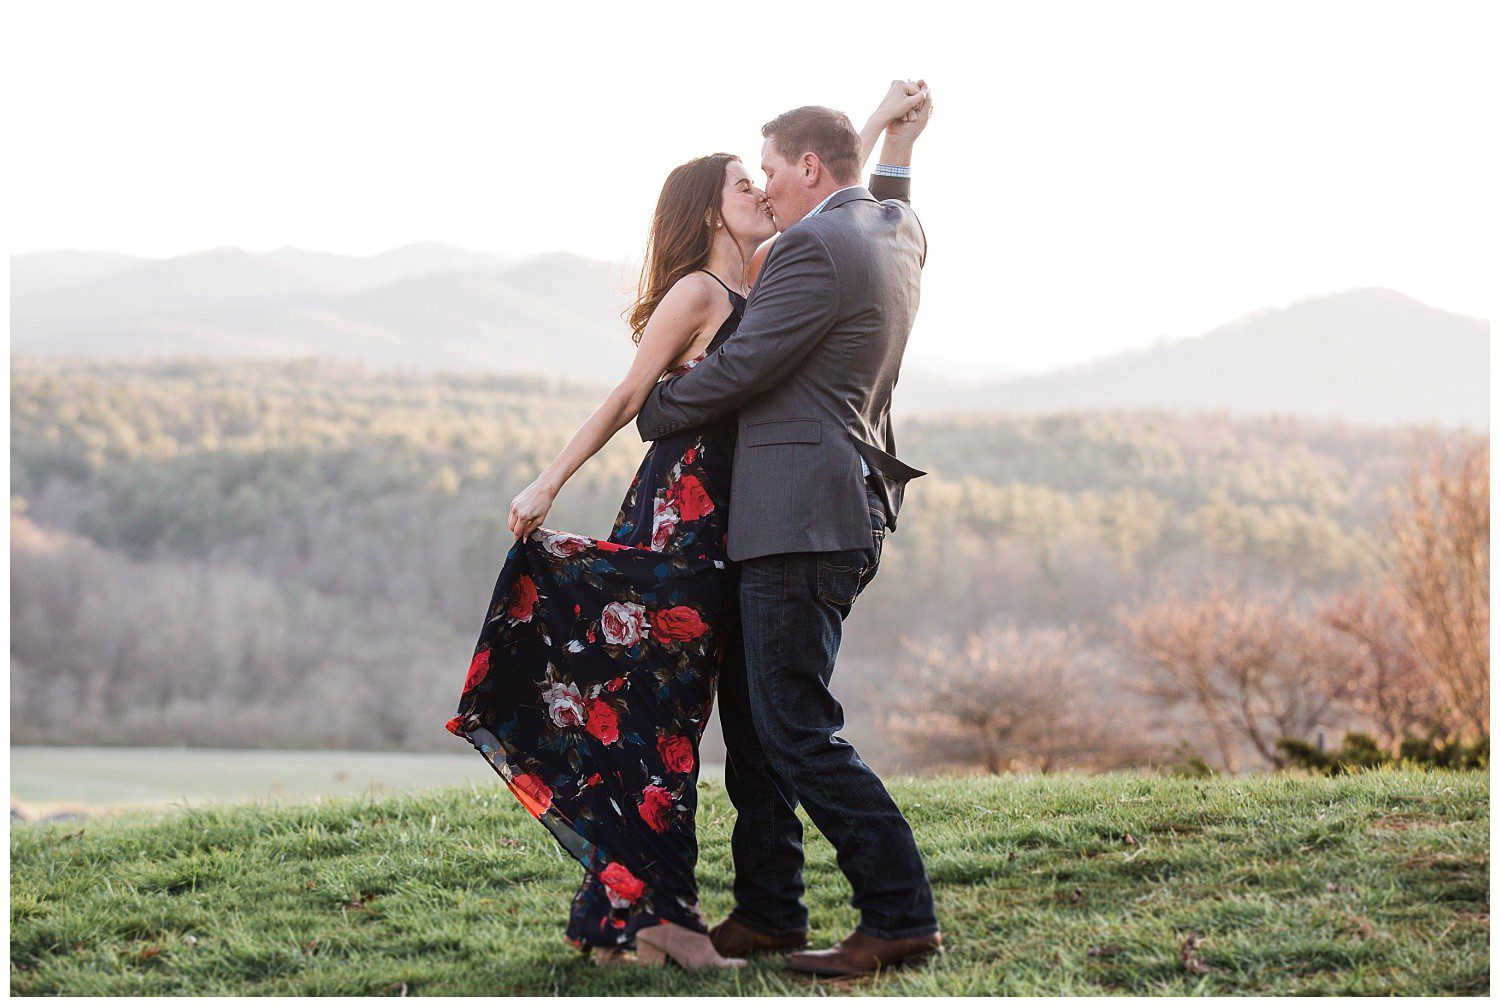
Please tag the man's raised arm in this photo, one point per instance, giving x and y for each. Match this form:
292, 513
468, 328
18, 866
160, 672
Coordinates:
891, 178
793, 305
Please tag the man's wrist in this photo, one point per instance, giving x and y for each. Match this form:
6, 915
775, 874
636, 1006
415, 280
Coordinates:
896, 151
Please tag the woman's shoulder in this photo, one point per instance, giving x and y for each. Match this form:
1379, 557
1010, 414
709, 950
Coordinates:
686, 308
695, 286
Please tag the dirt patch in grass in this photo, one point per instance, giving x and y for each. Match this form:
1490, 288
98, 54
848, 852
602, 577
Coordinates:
1402, 821
1445, 862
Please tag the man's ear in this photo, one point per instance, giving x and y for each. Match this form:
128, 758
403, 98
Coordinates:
812, 169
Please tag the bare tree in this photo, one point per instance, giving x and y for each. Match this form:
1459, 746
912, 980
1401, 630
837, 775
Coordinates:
1440, 561
1004, 700
1253, 668
1391, 688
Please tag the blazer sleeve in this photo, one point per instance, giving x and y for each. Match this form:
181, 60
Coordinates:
793, 306
884, 187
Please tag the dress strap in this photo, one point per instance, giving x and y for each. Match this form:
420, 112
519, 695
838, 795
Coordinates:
710, 272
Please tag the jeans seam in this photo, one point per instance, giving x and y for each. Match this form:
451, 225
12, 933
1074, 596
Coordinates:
781, 578
849, 826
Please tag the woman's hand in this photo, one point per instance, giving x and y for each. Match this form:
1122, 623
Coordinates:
529, 509
910, 126
900, 102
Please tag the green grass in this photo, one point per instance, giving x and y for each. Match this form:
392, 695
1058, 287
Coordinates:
1375, 883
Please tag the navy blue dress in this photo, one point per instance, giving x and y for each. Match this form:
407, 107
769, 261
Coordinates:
594, 677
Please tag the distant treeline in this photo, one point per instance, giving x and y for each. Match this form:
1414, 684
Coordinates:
299, 553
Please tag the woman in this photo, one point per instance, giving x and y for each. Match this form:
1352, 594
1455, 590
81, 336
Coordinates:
596, 665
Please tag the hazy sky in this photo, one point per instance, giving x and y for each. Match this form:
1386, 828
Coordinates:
1096, 177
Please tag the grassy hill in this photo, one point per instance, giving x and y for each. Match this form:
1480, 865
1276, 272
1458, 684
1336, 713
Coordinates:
1373, 884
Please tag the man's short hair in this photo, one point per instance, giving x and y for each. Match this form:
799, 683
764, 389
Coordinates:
823, 131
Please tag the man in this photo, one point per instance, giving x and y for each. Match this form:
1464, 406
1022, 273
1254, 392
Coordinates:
816, 485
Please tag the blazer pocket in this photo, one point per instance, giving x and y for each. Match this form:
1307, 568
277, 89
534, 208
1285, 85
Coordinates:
784, 432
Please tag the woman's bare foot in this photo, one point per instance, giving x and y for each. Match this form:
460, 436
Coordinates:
688, 948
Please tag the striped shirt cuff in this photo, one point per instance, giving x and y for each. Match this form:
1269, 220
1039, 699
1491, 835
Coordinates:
894, 170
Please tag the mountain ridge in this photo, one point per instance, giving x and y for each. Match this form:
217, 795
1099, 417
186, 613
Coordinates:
1368, 354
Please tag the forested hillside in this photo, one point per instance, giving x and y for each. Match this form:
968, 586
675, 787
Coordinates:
299, 553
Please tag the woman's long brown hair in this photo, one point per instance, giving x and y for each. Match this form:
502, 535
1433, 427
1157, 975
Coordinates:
679, 243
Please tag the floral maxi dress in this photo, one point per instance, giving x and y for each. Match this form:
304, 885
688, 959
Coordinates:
594, 677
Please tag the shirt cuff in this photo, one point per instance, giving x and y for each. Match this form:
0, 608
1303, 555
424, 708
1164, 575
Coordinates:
894, 170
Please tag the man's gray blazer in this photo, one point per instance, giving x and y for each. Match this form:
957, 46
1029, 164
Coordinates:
810, 369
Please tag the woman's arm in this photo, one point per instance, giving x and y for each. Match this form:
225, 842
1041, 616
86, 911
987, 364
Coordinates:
678, 319
900, 102
758, 260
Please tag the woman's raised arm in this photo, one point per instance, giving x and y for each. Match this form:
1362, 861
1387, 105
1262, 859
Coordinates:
900, 101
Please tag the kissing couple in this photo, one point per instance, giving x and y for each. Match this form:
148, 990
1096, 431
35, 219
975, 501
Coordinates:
762, 380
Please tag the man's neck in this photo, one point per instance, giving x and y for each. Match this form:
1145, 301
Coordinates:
833, 188
829, 194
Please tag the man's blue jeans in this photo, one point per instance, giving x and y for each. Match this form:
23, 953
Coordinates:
780, 723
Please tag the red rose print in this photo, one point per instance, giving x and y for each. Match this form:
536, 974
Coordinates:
593, 780
653, 807
691, 499
522, 599
603, 722
478, 668
677, 624
614, 684
692, 452
676, 753
620, 885
608, 546
532, 792
454, 725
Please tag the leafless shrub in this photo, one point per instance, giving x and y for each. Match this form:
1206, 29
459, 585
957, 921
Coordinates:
1006, 700
1439, 526
1252, 667
1392, 689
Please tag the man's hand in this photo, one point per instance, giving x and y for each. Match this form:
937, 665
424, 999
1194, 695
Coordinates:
908, 127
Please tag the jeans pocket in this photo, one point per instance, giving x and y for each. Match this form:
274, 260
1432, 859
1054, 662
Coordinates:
869, 572
838, 575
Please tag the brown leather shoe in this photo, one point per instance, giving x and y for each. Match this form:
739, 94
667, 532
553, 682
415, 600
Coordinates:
733, 939
862, 954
